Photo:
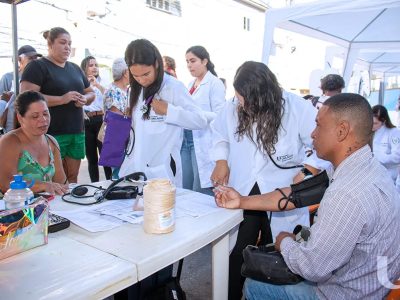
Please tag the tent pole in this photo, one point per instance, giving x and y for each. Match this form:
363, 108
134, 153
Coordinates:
15, 47
350, 60
381, 99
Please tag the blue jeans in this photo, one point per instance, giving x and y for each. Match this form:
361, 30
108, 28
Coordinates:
256, 290
115, 172
190, 171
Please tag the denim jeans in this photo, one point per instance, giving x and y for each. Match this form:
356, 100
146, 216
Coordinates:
115, 172
190, 172
256, 290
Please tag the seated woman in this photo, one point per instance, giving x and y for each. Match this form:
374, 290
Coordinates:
28, 150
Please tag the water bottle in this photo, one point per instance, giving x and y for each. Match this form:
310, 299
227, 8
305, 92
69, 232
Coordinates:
19, 194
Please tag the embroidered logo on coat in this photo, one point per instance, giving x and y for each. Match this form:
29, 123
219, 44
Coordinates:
157, 118
284, 158
395, 140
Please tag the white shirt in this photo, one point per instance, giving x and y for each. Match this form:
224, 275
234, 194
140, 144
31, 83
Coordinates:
97, 104
248, 165
386, 148
210, 97
159, 139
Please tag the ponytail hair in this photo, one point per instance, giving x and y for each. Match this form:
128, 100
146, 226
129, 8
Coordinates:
202, 53
53, 33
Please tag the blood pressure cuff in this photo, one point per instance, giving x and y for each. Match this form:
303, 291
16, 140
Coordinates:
309, 191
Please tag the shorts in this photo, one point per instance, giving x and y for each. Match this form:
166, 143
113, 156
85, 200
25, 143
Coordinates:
72, 145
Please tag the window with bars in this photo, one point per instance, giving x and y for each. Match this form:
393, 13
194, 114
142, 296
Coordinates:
169, 6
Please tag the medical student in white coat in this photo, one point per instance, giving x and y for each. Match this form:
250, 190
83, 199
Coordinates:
161, 108
386, 143
208, 92
259, 144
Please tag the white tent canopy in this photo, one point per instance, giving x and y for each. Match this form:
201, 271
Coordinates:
383, 62
356, 25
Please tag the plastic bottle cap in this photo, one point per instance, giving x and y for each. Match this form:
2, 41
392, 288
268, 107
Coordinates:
18, 183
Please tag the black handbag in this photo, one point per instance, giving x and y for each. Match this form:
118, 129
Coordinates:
265, 264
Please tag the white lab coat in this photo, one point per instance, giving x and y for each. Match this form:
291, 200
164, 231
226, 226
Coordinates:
386, 148
159, 139
210, 97
248, 165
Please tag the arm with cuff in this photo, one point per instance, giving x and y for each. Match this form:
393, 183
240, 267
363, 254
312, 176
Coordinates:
305, 193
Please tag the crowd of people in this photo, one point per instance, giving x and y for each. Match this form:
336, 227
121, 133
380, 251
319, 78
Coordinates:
240, 149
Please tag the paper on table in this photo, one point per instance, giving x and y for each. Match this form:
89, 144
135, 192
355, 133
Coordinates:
89, 221
195, 204
104, 216
120, 209
111, 214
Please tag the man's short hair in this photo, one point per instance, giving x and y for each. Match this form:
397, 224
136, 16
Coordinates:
355, 109
332, 82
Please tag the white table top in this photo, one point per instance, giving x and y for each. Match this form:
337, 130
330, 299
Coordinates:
77, 264
64, 269
152, 252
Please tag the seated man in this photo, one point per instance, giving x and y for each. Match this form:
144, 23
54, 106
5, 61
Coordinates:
358, 219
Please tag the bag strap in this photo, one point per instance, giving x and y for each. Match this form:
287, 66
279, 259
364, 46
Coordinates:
127, 111
54, 141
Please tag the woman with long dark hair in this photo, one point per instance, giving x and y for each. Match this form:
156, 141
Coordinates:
260, 140
208, 92
386, 142
160, 107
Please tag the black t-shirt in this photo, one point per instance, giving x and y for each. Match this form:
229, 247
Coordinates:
56, 81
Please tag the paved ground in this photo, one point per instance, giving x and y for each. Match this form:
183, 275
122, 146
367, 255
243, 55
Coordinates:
196, 274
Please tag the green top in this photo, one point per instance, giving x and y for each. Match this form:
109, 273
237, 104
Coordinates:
31, 169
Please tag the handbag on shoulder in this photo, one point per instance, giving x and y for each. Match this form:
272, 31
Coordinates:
116, 139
